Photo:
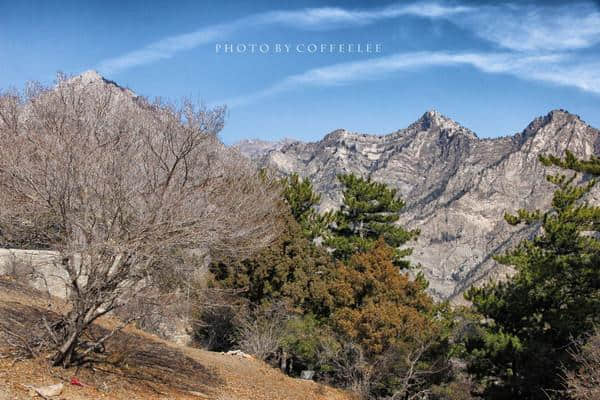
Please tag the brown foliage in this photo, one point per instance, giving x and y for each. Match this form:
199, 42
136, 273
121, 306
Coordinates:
378, 306
391, 318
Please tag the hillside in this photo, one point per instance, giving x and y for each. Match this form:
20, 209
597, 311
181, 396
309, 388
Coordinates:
456, 185
138, 365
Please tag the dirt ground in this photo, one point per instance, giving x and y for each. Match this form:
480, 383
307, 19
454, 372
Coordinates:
138, 365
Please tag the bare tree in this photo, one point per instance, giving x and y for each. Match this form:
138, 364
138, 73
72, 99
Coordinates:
117, 184
398, 373
262, 331
412, 374
352, 369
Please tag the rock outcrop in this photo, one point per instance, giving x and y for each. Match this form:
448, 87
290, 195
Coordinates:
457, 186
257, 147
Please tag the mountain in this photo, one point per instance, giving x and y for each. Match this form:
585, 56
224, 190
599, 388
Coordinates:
256, 148
94, 80
457, 186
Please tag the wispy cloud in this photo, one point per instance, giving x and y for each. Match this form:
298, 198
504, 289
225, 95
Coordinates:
331, 17
540, 43
531, 27
552, 68
168, 47
533, 42
519, 27
324, 18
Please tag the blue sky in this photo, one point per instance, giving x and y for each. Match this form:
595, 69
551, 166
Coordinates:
491, 66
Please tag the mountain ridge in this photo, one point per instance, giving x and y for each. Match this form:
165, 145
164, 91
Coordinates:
535, 124
457, 186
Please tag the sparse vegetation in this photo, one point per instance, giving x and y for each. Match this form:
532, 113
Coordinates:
583, 382
142, 204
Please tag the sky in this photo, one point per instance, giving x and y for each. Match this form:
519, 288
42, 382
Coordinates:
301, 69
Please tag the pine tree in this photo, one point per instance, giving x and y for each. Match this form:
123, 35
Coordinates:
369, 211
554, 296
303, 203
394, 321
291, 270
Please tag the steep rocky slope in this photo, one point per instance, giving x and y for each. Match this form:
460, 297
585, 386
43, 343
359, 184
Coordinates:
457, 186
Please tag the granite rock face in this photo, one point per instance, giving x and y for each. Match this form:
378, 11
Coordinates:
256, 148
457, 186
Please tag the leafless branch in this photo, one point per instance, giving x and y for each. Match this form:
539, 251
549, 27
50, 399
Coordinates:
117, 185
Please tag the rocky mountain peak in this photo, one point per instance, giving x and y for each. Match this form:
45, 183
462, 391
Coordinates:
95, 79
434, 121
558, 116
457, 187
560, 113
435, 117
91, 76
336, 135
557, 125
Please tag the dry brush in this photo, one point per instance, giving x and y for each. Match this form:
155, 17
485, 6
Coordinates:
118, 185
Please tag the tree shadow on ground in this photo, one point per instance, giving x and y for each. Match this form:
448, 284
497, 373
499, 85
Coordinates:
128, 356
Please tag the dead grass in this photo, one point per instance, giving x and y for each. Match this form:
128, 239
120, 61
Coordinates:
138, 365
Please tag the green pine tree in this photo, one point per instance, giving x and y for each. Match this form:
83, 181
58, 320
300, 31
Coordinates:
303, 203
291, 270
369, 211
531, 319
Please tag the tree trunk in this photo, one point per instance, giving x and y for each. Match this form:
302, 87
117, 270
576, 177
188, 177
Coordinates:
283, 361
64, 355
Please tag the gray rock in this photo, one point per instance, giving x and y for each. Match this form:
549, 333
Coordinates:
457, 186
307, 374
49, 391
256, 148
39, 269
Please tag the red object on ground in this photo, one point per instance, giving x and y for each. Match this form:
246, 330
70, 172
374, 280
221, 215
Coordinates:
76, 382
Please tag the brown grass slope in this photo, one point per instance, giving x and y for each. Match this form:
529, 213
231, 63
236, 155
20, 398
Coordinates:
136, 365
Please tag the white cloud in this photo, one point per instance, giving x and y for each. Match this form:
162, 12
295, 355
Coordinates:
585, 76
168, 47
552, 68
542, 43
322, 17
310, 18
533, 27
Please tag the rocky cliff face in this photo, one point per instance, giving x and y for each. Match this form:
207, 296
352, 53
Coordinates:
254, 148
457, 186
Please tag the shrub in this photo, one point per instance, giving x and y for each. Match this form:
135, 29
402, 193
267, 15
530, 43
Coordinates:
291, 270
261, 332
583, 383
